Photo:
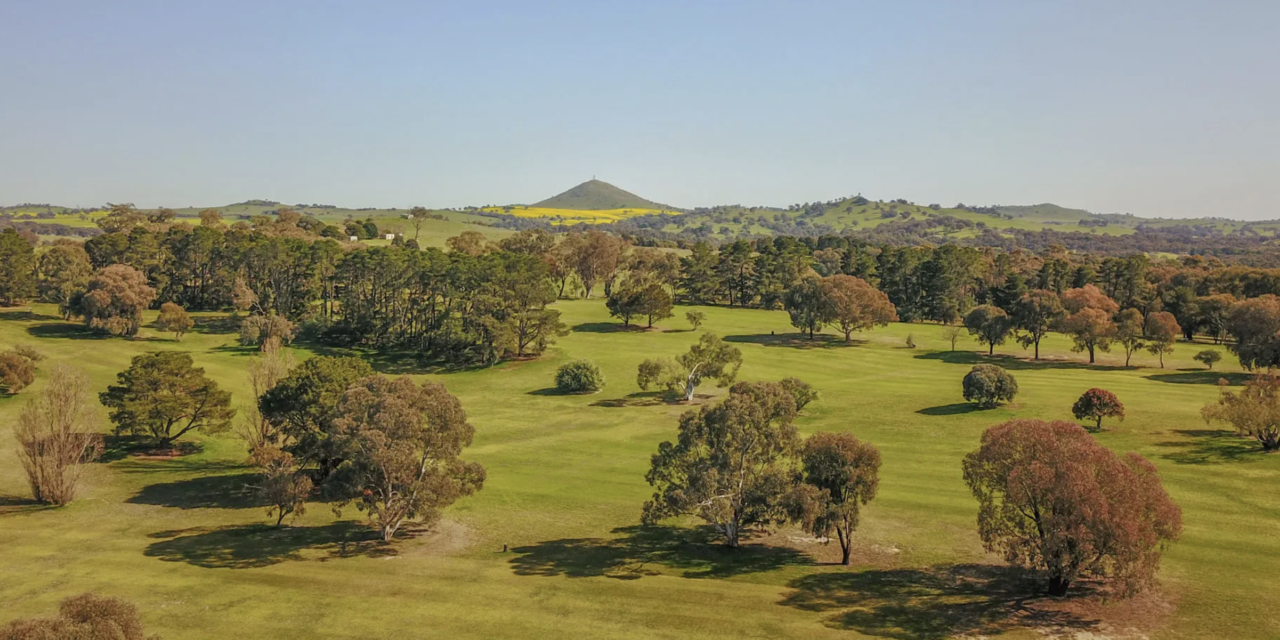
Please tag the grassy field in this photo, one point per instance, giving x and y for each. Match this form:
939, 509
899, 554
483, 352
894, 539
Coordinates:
183, 540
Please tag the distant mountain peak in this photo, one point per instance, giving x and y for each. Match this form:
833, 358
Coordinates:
596, 195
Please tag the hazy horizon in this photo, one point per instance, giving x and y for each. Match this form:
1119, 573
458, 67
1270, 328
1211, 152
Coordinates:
1160, 109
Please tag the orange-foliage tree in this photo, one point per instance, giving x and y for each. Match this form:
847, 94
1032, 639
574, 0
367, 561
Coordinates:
1053, 500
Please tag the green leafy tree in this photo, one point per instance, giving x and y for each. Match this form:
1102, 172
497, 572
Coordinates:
841, 475
1096, 404
163, 395
809, 305
304, 404
1208, 358
1130, 332
710, 358
1162, 331
733, 464
990, 324
404, 442
1053, 500
989, 385
63, 271
1035, 313
17, 269
174, 319
695, 319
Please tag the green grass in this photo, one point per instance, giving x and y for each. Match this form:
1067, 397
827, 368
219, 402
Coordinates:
184, 541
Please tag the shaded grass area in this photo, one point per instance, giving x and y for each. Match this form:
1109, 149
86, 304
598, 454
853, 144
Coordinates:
262, 545
638, 551
971, 600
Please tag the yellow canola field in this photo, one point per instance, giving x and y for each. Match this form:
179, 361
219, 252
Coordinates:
574, 216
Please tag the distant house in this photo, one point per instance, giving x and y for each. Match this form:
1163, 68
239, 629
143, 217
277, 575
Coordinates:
352, 238
390, 236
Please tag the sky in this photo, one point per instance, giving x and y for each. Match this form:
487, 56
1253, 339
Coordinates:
1162, 108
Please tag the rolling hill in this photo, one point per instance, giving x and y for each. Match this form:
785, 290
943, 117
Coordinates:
597, 195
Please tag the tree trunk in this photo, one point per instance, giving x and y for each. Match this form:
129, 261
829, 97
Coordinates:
688, 392
846, 545
1090, 354
1058, 586
1037, 349
1099, 427
991, 349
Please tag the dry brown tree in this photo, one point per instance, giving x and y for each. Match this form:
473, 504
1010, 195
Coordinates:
57, 433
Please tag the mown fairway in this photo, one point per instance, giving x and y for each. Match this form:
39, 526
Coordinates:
182, 539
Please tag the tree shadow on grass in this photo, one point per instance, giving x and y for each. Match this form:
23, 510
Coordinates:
68, 331
398, 362
215, 324
797, 341
262, 545
934, 603
14, 315
115, 447
956, 408
235, 491
637, 551
1012, 362
1202, 376
607, 327
639, 399
1211, 446
16, 505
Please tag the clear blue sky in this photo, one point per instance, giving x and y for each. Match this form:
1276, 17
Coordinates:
1155, 108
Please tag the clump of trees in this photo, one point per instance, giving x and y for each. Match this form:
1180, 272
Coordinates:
579, 376
1053, 500
57, 433
164, 396
1096, 404
847, 302
709, 358
84, 617
1254, 411
988, 385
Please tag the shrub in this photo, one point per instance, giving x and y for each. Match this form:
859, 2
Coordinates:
1097, 404
27, 351
579, 376
989, 385
695, 318
16, 372
86, 616
174, 319
1208, 358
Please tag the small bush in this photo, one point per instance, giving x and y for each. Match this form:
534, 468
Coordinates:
29, 352
989, 385
1208, 358
86, 616
579, 376
16, 372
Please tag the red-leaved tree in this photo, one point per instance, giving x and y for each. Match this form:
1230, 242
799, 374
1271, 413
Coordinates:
1097, 404
1053, 500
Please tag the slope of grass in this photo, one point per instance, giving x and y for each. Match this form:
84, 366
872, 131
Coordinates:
182, 538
